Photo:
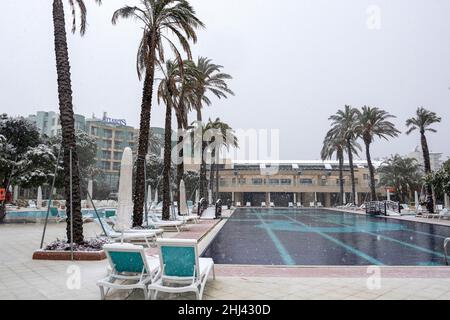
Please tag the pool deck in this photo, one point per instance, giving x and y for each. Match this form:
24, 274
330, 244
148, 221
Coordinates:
24, 278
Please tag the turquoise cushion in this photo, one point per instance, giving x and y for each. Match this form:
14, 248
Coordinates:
127, 261
178, 261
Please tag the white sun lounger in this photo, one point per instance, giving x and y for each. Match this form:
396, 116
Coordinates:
272, 205
130, 235
238, 204
248, 204
159, 223
181, 268
263, 204
290, 205
128, 263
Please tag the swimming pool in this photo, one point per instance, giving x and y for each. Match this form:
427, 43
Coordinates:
325, 237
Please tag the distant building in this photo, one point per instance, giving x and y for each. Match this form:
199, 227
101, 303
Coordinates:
112, 137
299, 181
48, 122
435, 158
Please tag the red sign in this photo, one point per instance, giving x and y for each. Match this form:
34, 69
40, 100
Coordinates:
2, 194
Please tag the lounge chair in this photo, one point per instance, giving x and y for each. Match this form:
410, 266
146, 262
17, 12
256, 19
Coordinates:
248, 204
272, 205
181, 268
319, 205
299, 205
130, 235
263, 204
312, 204
156, 222
128, 263
238, 204
290, 205
444, 214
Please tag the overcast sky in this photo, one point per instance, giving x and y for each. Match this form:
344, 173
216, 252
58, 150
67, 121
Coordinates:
294, 63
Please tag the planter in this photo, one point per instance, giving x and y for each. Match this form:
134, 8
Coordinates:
66, 255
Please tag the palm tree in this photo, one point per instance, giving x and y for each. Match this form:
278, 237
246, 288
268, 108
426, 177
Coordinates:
157, 17
403, 174
168, 92
225, 139
423, 121
73, 208
210, 79
332, 145
343, 124
374, 122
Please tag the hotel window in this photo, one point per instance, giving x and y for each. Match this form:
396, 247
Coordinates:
366, 176
106, 165
242, 181
130, 136
107, 144
117, 155
108, 133
119, 135
286, 181
106, 155
233, 181
337, 181
306, 181
356, 181
274, 181
94, 131
257, 181
223, 182
116, 166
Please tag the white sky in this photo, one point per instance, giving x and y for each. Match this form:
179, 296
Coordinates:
294, 63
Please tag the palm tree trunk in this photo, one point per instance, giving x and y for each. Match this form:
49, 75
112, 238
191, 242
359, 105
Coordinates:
352, 170
167, 162
180, 165
203, 182
217, 175
144, 131
373, 194
427, 164
67, 125
341, 176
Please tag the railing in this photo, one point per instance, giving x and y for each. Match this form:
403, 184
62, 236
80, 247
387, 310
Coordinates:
381, 207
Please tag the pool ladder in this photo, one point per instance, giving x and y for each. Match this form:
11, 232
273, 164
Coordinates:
446, 242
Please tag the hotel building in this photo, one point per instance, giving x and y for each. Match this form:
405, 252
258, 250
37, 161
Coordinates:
305, 182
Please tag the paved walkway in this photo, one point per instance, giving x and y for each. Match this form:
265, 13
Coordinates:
24, 278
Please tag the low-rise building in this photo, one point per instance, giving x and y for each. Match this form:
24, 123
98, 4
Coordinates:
281, 182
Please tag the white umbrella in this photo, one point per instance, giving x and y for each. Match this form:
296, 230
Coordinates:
446, 201
39, 198
90, 191
183, 203
197, 197
149, 196
156, 197
416, 200
210, 199
16, 193
125, 202
345, 198
356, 197
388, 195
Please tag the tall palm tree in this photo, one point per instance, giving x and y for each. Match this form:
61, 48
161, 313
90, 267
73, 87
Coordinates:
73, 208
332, 145
157, 17
343, 124
168, 92
423, 121
374, 122
226, 139
211, 79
